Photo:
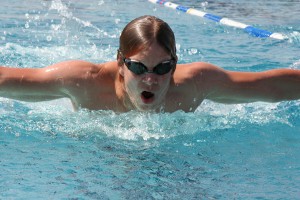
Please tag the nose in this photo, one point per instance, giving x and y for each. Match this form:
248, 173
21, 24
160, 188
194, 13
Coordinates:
149, 79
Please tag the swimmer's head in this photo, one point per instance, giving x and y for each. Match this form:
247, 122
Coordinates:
141, 32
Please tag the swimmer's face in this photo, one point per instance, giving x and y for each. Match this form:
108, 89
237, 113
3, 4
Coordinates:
147, 91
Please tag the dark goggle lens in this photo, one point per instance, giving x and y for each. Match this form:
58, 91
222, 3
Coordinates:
135, 67
139, 68
164, 67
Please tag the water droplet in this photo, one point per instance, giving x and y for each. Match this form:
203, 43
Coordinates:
193, 51
117, 20
113, 13
49, 38
55, 27
295, 65
204, 4
178, 47
37, 17
101, 2
27, 25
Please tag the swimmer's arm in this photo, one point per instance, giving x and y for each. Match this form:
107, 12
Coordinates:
42, 84
26, 84
244, 87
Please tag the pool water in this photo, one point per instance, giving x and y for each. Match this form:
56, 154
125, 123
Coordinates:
244, 151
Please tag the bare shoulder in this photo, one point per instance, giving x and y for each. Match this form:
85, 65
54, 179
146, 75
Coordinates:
108, 68
77, 69
72, 68
199, 77
198, 70
66, 70
198, 67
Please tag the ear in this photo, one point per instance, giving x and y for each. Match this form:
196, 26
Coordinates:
119, 58
121, 70
120, 63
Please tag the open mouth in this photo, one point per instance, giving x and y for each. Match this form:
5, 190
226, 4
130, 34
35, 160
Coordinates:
147, 97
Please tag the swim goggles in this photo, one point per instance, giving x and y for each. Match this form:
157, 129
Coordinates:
139, 68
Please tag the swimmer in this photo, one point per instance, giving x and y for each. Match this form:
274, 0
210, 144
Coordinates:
146, 77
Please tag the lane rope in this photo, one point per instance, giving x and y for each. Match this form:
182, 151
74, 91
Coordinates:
222, 20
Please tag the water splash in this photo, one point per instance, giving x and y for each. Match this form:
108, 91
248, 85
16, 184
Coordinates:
63, 11
17, 55
294, 37
58, 118
295, 65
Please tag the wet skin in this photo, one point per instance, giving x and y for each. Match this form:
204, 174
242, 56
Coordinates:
112, 86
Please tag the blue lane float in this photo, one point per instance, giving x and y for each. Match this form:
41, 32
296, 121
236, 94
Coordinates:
225, 21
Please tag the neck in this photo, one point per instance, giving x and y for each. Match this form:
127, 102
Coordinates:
122, 95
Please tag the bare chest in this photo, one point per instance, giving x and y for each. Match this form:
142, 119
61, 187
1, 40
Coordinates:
182, 101
103, 101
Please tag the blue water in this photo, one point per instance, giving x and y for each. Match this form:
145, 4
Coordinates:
246, 151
